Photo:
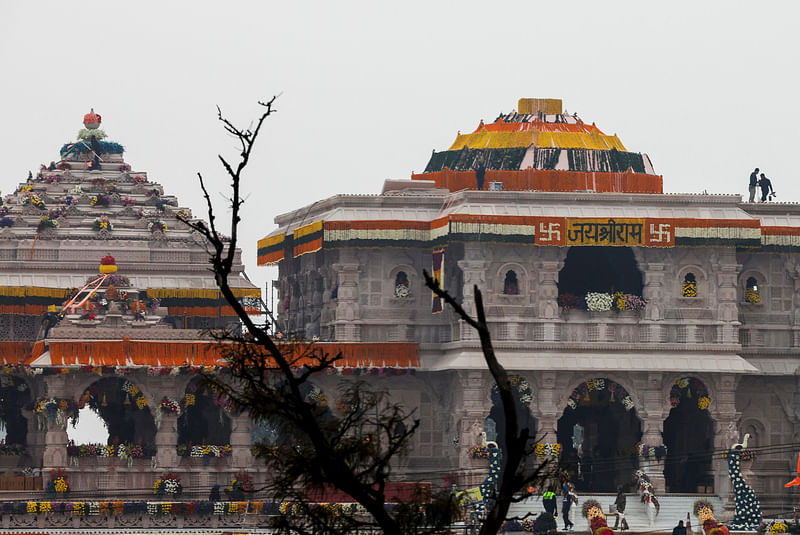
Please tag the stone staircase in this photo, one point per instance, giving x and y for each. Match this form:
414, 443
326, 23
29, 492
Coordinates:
673, 508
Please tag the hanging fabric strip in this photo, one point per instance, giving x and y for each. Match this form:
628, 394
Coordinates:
438, 275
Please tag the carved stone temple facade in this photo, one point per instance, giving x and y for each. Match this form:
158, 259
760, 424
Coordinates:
130, 346
644, 330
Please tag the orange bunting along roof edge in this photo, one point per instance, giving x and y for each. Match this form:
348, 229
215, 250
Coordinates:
547, 180
209, 353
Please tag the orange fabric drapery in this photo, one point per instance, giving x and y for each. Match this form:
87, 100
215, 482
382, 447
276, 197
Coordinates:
157, 353
548, 180
359, 354
136, 353
14, 352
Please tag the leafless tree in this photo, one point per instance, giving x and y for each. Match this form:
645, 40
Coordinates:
517, 475
351, 446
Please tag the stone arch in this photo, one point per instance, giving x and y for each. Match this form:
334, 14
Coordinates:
494, 423
598, 431
688, 433
269, 434
700, 278
15, 395
411, 276
203, 419
124, 407
761, 283
520, 274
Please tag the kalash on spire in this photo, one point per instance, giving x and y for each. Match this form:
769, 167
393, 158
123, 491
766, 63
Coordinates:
91, 147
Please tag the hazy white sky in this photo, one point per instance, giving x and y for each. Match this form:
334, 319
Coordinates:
707, 89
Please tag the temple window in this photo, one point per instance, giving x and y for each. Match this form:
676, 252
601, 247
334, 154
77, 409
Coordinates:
401, 285
751, 294
511, 284
689, 285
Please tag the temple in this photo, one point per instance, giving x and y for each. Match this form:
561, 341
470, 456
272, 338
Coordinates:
104, 301
644, 330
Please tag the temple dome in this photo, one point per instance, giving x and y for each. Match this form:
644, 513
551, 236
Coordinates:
541, 147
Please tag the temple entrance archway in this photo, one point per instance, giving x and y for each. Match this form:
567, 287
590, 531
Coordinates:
495, 424
14, 395
689, 438
599, 269
124, 410
203, 420
598, 433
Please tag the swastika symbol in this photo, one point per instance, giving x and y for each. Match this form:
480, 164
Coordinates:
551, 232
662, 235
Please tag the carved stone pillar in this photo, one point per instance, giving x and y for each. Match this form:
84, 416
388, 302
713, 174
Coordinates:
547, 298
545, 407
727, 271
55, 450
475, 407
166, 442
652, 329
347, 307
724, 414
241, 454
474, 273
652, 415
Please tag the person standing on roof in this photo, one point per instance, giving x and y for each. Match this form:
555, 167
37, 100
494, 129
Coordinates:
766, 188
753, 184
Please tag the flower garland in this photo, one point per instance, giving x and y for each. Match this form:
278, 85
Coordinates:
744, 455
752, 296
59, 483
127, 451
33, 200
57, 410
704, 511
102, 200
478, 452
686, 387
545, 450
168, 483
241, 484
598, 302
602, 302
117, 508
651, 452
646, 489
521, 387
46, 222
617, 392
204, 451
170, 406
135, 394
689, 289
103, 223
593, 512
774, 527
157, 226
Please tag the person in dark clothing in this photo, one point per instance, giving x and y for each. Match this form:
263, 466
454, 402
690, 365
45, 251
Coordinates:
214, 495
549, 502
680, 529
753, 184
766, 188
567, 501
620, 502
